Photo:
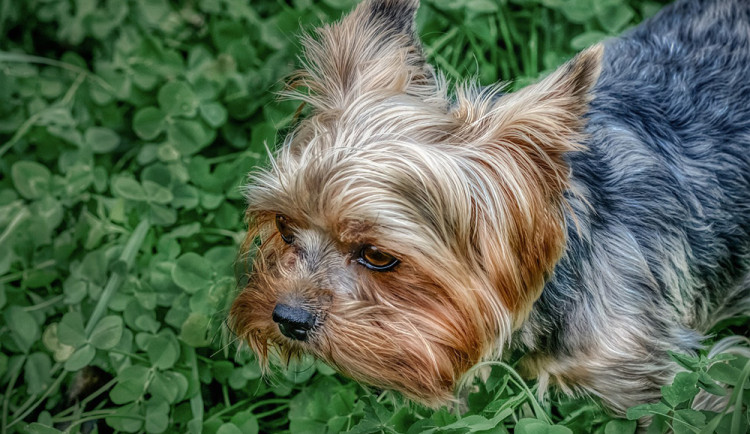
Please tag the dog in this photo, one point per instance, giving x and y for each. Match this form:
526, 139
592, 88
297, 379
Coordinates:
594, 221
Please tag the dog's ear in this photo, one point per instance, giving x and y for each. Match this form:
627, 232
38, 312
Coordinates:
516, 145
540, 122
374, 48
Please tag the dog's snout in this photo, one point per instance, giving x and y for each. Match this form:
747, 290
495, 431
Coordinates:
294, 322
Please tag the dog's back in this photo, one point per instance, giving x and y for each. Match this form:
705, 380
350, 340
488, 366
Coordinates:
681, 86
659, 236
669, 154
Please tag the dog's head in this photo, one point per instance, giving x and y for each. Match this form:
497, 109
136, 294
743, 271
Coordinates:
400, 234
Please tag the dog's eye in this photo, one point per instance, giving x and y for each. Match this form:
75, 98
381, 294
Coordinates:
375, 259
282, 224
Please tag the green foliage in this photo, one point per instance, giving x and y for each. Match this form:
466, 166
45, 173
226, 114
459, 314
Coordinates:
127, 128
674, 411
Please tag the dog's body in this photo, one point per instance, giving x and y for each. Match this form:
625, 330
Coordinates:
417, 234
658, 245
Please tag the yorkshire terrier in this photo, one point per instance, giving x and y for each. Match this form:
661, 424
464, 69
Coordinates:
594, 221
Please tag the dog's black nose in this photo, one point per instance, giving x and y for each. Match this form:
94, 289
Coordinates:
294, 322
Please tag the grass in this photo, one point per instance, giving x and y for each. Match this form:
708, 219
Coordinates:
126, 129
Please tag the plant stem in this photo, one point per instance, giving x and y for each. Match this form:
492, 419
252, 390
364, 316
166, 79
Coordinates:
122, 161
538, 410
116, 278
534, 45
6, 398
196, 401
444, 63
225, 395
232, 156
234, 407
441, 41
44, 304
274, 411
22, 214
91, 414
26, 126
494, 55
131, 355
60, 416
268, 402
739, 390
99, 416
72, 90
15, 276
27, 58
41, 399
505, 32
223, 232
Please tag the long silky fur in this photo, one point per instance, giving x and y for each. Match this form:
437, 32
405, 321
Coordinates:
594, 220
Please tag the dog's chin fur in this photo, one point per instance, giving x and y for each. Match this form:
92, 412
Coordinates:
467, 191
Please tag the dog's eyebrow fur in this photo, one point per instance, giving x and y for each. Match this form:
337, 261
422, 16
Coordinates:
355, 231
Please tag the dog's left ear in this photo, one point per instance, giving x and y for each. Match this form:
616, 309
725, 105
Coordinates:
374, 48
540, 122
517, 144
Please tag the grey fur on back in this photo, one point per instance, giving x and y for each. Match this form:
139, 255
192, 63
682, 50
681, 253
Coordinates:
659, 236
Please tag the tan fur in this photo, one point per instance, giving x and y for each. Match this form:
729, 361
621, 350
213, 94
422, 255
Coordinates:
468, 196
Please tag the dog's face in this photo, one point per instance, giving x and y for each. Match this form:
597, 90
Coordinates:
401, 235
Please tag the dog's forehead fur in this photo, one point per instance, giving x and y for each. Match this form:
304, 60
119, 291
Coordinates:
383, 165
402, 161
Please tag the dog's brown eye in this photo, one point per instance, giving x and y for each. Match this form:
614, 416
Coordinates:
375, 259
282, 224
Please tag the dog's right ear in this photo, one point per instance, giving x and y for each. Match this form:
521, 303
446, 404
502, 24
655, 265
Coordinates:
374, 48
